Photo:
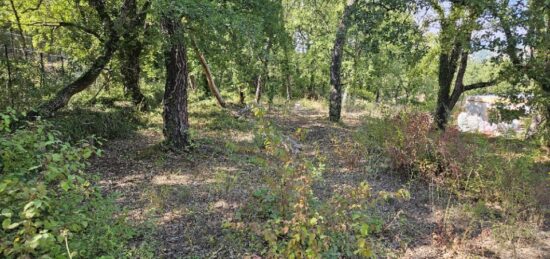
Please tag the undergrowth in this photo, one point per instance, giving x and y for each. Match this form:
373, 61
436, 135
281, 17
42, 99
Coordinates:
497, 175
291, 220
50, 207
107, 122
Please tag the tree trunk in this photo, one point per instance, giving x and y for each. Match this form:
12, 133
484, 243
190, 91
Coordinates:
286, 67
335, 107
241, 97
311, 87
130, 70
63, 97
211, 84
175, 114
345, 98
445, 80
258, 82
130, 51
446, 100
193, 82
288, 88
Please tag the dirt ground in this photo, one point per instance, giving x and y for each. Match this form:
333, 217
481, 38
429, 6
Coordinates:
187, 197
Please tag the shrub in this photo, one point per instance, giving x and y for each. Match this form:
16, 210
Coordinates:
413, 146
496, 171
49, 206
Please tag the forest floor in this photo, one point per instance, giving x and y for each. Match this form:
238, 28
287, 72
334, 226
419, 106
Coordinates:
186, 198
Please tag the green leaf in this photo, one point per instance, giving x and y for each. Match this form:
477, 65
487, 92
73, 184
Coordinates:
87, 153
56, 157
364, 229
313, 221
7, 213
6, 224
65, 185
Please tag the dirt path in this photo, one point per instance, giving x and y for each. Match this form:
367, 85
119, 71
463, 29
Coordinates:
188, 197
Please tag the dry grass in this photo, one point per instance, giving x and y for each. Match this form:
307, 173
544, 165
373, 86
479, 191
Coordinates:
189, 196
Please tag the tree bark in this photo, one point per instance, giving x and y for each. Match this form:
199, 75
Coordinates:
335, 107
62, 98
258, 83
133, 21
241, 96
211, 84
175, 114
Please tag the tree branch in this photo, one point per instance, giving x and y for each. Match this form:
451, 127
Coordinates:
18, 20
480, 85
66, 25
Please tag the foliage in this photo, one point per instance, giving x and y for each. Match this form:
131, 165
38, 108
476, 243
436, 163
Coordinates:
50, 207
294, 222
469, 166
416, 148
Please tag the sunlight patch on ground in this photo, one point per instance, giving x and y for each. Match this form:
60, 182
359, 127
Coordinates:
222, 204
171, 179
172, 215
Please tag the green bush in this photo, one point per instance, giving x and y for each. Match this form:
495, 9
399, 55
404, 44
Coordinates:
49, 205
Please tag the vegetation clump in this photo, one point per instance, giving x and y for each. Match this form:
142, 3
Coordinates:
50, 206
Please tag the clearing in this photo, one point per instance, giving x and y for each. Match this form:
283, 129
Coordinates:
186, 198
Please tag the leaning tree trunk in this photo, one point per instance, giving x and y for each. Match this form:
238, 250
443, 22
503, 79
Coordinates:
335, 107
62, 98
130, 51
211, 84
175, 114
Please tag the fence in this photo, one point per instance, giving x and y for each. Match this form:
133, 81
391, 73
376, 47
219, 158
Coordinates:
27, 75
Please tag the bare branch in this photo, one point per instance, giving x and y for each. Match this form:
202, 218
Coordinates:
67, 25
480, 85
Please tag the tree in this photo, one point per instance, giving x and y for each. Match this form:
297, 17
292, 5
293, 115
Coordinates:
528, 65
62, 98
175, 114
455, 41
131, 47
335, 107
206, 69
